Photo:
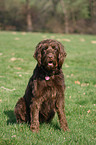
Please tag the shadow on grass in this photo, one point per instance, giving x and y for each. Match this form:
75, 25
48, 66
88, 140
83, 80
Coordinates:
12, 120
55, 126
52, 124
11, 117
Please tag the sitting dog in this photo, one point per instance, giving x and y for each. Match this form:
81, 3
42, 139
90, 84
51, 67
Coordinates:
44, 94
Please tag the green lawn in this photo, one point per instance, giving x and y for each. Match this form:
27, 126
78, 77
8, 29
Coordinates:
16, 67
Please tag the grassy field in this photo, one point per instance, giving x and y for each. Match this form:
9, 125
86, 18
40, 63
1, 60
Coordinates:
16, 67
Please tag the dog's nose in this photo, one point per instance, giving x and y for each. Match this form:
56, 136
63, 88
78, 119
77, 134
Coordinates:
50, 55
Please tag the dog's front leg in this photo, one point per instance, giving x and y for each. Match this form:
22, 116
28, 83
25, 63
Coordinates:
34, 116
61, 114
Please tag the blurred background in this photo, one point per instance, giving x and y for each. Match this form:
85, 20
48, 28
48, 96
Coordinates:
56, 16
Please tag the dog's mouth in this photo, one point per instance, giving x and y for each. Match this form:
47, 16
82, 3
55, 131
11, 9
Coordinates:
50, 63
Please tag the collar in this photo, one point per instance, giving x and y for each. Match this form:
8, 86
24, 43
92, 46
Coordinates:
47, 75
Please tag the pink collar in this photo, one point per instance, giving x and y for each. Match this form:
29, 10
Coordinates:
47, 78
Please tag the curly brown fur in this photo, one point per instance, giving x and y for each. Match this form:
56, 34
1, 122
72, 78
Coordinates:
44, 94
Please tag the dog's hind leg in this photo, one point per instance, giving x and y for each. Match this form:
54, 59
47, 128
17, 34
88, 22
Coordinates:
21, 111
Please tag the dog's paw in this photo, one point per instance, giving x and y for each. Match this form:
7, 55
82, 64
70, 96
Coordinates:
34, 129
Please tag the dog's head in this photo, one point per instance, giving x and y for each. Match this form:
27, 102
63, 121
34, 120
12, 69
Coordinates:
50, 54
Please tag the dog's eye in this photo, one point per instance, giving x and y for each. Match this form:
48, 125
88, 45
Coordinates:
43, 51
44, 47
55, 47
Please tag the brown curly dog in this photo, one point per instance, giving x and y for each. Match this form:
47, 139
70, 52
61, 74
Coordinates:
44, 94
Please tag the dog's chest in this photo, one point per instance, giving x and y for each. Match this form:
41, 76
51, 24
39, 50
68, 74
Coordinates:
49, 89
51, 92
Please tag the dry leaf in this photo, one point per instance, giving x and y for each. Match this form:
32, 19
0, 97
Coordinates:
13, 136
0, 100
18, 68
14, 33
66, 65
14, 59
88, 111
82, 39
72, 75
84, 84
1, 54
13, 54
17, 38
44, 36
1, 76
93, 42
67, 40
8, 89
52, 37
23, 33
58, 39
68, 87
77, 82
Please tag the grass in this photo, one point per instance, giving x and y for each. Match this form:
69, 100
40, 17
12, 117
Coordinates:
16, 67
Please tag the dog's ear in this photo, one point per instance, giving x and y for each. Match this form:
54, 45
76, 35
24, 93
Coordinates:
62, 54
37, 54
